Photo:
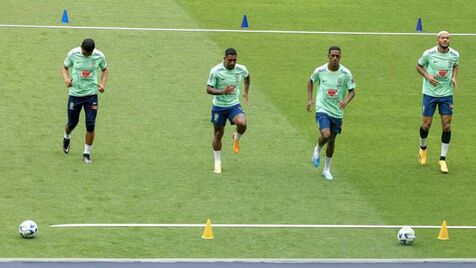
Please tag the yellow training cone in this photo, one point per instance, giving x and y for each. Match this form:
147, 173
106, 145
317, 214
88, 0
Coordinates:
207, 232
443, 232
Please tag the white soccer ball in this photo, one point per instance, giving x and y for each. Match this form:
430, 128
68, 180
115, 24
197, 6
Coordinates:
406, 236
28, 229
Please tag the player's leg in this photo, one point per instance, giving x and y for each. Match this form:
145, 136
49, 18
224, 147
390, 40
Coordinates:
326, 172
324, 137
336, 128
90, 109
238, 119
216, 144
446, 112
424, 130
218, 118
324, 123
74, 109
428, 109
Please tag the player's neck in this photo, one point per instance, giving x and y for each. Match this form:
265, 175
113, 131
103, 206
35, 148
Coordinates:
333, 68
443, 50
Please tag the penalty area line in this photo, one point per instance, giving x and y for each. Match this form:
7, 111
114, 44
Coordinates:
167, 225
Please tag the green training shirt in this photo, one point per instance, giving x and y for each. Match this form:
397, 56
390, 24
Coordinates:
84, 71
441, 66
333, 86
220, 77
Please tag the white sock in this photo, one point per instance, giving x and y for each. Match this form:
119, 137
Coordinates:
217, 155
67, 136
238, 136
87, 149
444, 149
327, 165
317, 151
423, 142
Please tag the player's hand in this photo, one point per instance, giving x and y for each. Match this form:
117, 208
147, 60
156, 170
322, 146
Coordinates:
432, 80
68, 82
310, 103
101, 88
228, 89
342, 105
453, 83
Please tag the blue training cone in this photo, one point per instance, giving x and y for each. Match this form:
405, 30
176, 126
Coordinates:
65, 19
244, 23
419, 27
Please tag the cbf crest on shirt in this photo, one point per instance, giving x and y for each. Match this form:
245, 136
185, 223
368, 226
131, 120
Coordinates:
221, 77
84, 71
333, 86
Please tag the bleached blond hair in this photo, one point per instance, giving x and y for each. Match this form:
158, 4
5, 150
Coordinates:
442, 32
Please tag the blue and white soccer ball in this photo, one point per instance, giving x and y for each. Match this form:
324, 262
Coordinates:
28, 229
406, 236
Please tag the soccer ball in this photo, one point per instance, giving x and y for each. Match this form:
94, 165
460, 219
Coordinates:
406, 236
28, 229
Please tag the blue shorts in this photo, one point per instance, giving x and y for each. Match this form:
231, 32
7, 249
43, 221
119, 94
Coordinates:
325, 121
75, 105
445, 105
221, 114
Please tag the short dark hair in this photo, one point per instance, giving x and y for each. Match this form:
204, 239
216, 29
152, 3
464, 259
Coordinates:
88, 45
333, 48
230, 51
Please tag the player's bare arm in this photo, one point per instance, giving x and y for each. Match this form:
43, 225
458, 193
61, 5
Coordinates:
310, 103
68, 81
348, 98
104, 76
429, 77
213, 91
247, 82
453, 77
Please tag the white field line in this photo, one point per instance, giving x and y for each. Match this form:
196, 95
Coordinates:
173, 225
217, 30
227, 260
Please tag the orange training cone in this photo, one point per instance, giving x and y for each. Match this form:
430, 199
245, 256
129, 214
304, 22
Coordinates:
207, 232
443, 232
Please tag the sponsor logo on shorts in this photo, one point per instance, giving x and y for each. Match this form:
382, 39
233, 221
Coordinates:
94, 106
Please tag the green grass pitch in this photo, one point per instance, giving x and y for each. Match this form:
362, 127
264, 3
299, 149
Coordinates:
152, 154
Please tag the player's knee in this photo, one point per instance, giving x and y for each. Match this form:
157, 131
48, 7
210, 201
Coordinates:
71, 125
90, 126
240, 122
446, 127
426, 126
218, 135
325, 135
